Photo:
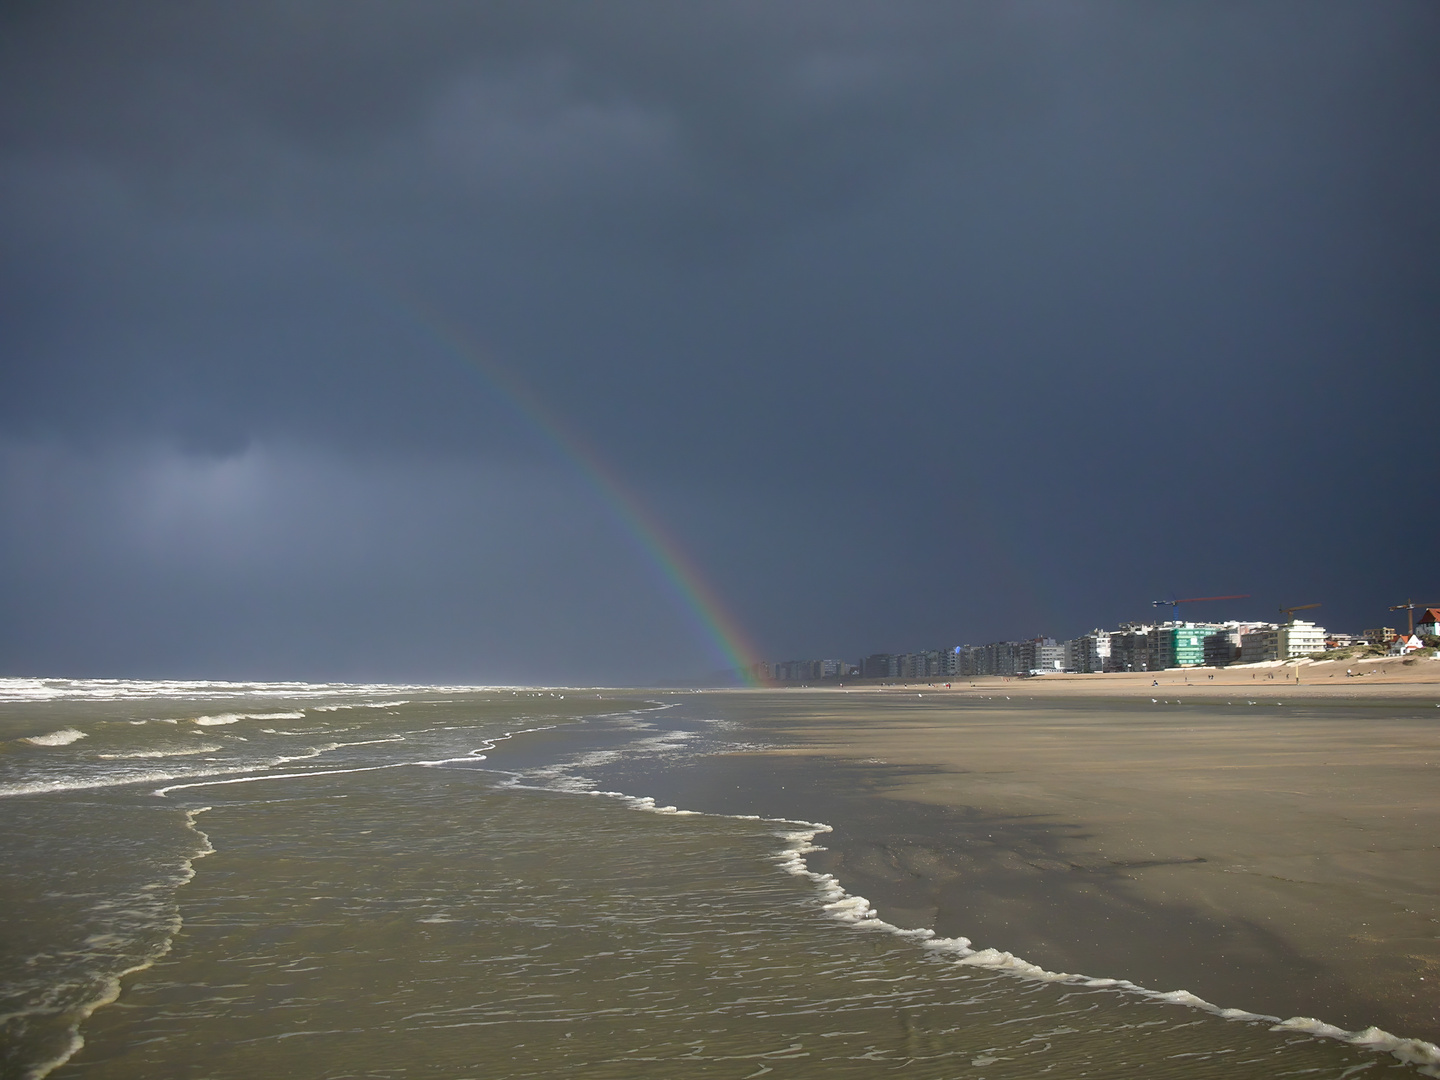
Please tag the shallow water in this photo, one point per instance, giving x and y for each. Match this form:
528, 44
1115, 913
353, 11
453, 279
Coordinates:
401, 891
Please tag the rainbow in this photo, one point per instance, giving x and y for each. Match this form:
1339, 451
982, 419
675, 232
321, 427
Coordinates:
681, 575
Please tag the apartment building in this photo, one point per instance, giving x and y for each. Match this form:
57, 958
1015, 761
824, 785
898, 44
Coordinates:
1130, 648
1178, 644
1300, 638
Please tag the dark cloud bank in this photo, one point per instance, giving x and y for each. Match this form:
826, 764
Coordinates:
917, 324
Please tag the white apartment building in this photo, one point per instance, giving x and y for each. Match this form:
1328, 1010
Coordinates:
1087, 653
1300, 638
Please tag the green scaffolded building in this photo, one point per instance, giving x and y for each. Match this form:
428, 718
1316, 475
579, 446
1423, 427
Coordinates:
1178, 645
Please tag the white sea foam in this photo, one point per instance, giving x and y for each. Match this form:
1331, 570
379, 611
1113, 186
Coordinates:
12, 689
361, 705
221, 719
330, 747
160, 752
63, 737
477, 754
91, 783
239, 772
165, 791
644, 802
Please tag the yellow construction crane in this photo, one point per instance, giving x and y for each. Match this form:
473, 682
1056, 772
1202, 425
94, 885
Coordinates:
1288, 612
1409, 608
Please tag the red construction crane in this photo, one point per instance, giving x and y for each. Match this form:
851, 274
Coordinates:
1174, 605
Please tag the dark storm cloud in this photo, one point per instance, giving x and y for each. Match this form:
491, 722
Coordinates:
284, 562
917, 321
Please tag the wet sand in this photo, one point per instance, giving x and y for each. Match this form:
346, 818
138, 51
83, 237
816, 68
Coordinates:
1279, 857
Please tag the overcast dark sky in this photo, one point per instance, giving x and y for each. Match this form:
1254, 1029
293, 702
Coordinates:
916, 323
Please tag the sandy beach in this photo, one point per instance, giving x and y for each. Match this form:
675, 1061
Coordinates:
1266, 845
1390, 676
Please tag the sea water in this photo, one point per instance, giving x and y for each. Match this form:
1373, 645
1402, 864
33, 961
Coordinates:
227, 880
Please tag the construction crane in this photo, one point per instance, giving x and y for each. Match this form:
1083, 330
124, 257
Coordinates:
1288, 612
1409, 608
1174, 605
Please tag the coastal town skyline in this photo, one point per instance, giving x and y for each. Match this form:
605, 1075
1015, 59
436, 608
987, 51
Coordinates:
1156, 645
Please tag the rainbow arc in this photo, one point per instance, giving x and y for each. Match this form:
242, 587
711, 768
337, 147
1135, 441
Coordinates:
682, 577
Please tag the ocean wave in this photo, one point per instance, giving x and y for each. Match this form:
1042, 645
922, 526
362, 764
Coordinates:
361, 705
162, 752
63, 737
91, 783
42, 689
221, 719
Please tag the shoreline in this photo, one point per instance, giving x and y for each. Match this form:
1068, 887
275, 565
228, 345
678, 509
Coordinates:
1274, 858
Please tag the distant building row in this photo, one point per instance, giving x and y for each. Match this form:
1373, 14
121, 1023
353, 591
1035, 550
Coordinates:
1133, 647
1143, 647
